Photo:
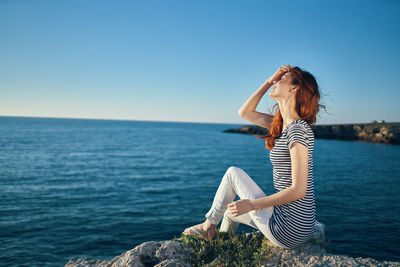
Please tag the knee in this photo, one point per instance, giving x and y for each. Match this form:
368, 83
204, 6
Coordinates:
233, 169
229, 174
234, 172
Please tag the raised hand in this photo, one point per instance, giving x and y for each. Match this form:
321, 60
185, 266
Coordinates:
279, 73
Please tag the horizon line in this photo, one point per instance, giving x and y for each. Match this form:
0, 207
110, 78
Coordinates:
133, 120
82, 118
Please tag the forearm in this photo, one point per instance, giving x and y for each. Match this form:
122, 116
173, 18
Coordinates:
251, 103
282, 197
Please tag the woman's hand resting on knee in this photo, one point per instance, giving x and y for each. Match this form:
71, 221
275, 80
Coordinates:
240, 207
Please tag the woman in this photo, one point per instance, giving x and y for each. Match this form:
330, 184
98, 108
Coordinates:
286, 218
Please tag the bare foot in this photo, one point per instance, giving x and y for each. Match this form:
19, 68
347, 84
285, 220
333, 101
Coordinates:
207, 231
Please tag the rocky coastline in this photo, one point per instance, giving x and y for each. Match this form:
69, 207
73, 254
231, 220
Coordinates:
376, 132
170, 253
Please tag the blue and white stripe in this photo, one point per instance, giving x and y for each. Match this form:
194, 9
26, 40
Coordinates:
293, 223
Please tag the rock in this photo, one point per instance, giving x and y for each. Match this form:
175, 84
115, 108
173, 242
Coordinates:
171, 253
152, 253
172, 263
313, 253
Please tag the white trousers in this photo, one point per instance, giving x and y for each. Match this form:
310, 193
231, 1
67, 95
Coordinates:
238, 182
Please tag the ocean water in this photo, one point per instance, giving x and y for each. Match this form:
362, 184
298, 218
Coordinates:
75, 188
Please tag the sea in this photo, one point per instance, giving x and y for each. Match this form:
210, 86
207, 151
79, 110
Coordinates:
90, 188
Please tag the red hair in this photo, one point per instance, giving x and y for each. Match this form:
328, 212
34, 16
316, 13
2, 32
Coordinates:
307, 104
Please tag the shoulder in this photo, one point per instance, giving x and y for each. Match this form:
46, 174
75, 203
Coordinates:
299, 126
300, 132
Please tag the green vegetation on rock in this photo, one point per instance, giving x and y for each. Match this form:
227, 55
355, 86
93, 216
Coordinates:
227, 249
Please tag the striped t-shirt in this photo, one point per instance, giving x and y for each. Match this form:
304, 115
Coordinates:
293, 223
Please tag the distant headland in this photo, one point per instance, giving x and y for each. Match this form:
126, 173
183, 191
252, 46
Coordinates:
375, 131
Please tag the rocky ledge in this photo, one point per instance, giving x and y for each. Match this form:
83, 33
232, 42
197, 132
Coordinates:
377, 132
172, 253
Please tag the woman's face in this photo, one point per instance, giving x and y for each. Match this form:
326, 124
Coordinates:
281, 88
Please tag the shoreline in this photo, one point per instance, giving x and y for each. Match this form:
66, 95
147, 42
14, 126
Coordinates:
374, 132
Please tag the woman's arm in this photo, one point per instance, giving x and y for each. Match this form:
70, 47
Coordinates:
298, 189
243, 206
282, 197
247, 111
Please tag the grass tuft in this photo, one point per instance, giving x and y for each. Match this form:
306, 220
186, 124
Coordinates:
232, 249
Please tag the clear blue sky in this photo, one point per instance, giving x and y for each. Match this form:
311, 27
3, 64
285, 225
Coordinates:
195, 61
